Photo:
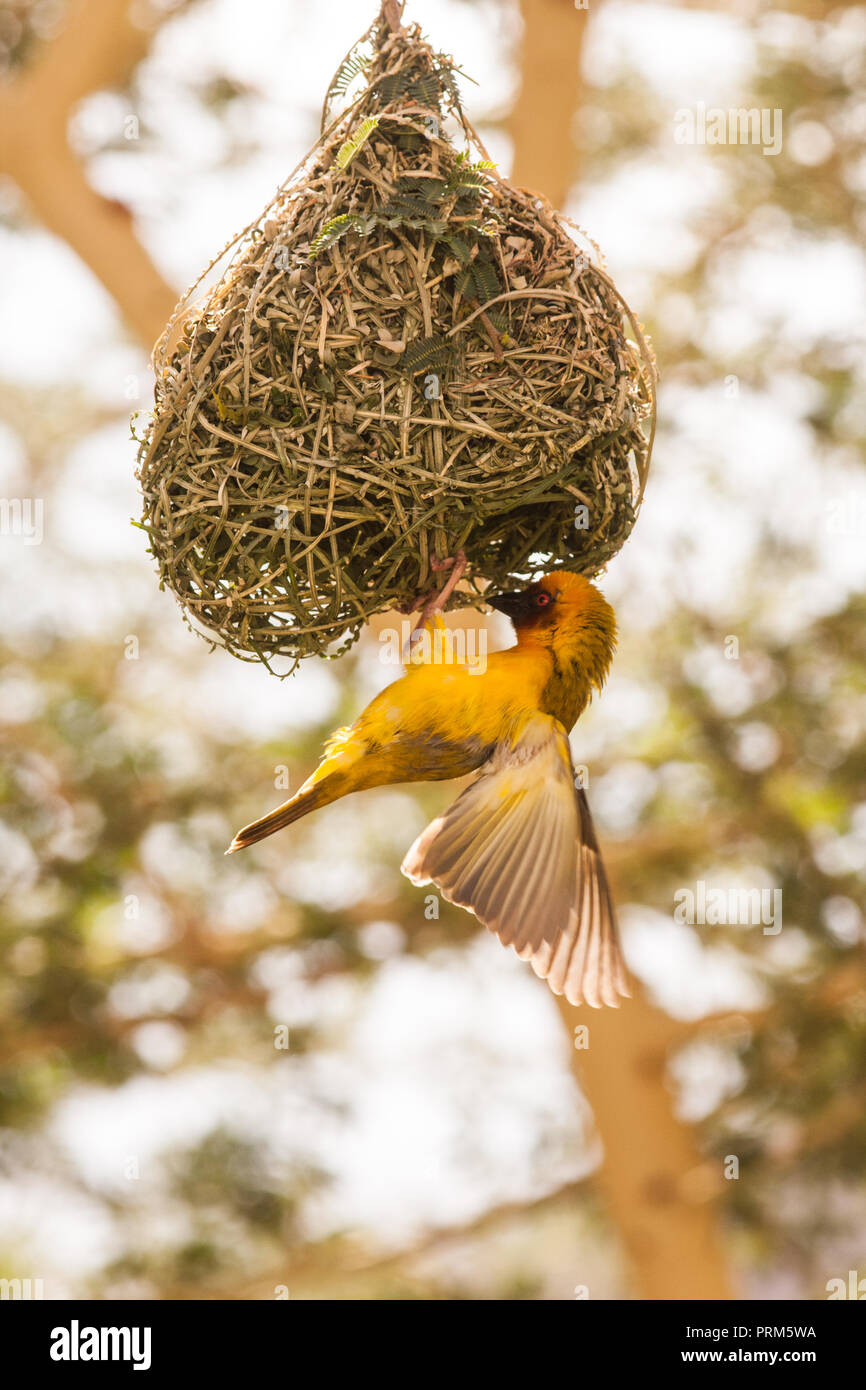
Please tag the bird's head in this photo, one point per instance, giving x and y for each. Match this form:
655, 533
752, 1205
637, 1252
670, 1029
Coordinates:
567, 614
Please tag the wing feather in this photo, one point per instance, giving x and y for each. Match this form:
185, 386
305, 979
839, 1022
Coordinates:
518, 848
586, 960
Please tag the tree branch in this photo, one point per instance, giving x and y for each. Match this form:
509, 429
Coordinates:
99, 46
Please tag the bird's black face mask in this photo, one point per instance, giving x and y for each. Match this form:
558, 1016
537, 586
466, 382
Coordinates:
511, 604
525, 607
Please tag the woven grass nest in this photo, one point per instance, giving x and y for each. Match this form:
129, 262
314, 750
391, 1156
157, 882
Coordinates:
407, 357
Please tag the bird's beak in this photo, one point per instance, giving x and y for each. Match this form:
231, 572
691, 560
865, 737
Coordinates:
510, 604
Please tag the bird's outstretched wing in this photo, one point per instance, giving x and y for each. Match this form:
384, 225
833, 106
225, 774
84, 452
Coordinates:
518, 849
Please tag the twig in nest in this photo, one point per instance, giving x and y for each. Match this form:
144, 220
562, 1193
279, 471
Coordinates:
495, 342
393, 13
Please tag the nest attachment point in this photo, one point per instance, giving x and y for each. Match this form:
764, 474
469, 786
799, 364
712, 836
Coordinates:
406, 357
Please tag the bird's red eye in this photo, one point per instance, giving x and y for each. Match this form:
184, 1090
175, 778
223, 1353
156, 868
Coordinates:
542, 600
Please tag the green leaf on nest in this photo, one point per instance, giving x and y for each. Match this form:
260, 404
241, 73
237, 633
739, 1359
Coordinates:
347, 151
436, 351
338, 227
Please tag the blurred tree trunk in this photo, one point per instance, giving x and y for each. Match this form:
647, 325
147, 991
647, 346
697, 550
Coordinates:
658, 1189
541, 124
99, 46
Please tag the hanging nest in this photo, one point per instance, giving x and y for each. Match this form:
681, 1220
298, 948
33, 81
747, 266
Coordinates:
407, 357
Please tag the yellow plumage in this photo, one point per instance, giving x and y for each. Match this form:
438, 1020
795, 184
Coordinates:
517, 848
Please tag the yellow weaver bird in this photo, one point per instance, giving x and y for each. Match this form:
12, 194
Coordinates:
517, 848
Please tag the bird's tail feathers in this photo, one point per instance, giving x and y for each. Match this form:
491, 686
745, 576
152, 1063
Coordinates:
306, 800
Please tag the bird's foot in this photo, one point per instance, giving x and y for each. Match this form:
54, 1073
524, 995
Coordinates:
432, 605
436, 601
